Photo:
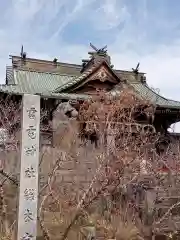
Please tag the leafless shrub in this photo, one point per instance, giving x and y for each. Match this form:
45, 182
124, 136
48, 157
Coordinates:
110, 167
109, 185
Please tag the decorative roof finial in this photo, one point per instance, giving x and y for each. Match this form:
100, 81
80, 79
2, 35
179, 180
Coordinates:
136, 70
96, 56
100, 51
55, 60
23, 54
22, 50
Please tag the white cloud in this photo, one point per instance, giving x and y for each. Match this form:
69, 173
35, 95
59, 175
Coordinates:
25, 10
71, 14
36, 24
109, 15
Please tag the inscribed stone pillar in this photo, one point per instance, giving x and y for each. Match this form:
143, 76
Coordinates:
28, 196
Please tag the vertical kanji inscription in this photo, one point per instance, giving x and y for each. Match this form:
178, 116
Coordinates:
30, 122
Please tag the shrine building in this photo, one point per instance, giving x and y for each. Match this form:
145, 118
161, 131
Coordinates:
58, 82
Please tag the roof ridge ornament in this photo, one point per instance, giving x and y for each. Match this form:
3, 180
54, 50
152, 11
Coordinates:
99, 51
23, 54
136, 70
96, 56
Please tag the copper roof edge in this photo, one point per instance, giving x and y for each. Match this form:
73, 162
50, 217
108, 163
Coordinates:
46, 61
66, 64
19, 69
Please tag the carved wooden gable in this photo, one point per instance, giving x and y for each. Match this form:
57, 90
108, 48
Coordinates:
102, 78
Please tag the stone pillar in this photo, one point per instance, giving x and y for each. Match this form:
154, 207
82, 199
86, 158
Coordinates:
28, 196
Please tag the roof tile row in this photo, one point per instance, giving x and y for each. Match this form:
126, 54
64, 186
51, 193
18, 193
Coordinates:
46, 84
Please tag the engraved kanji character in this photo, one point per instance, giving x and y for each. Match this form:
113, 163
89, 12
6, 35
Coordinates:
31, 132
27, 236
28, 215
30, 172
32, 113
30, 150
29, 194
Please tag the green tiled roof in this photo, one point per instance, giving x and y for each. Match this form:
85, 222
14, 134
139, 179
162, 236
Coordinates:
147, 93
9, 75
53, 84
39, 83
36, 82
12, 89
